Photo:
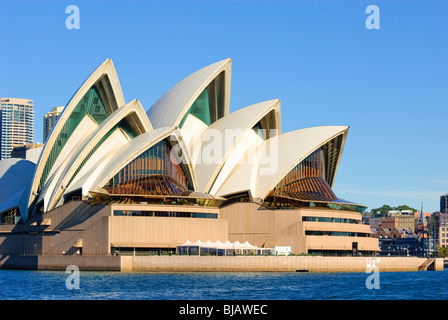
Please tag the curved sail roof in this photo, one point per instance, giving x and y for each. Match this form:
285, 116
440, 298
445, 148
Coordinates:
101, 143
171, 108
232, 131
135, 120
15, 179
128, 153
99, 96
276, 157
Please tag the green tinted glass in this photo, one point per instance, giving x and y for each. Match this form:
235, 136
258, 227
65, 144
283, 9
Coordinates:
200, 109
91, 104
259, 130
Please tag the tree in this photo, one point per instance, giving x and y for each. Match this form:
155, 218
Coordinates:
405, 207
383, 210
442, 252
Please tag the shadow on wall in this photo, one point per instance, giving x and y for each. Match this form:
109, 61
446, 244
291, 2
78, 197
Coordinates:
19, 262
27, 240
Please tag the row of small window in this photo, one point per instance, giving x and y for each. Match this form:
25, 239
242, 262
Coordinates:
336, 233
13, 142
17, 105
169, 214
326, 219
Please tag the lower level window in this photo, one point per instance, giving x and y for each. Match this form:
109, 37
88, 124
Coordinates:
336, 233
170, 214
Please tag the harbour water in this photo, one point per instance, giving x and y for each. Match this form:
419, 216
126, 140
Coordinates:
53, 285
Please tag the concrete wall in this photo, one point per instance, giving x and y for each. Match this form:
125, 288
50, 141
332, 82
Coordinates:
95, 229
110, 263
163, 232
41, 235
216, 263
261, 226
60, 262
269, 263
90, 232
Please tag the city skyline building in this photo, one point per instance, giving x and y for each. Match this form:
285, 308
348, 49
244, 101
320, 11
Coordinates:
444, 203
16, 124
399, 221
49, 121
441, 228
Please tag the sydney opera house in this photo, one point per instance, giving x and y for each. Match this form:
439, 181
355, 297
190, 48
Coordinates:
113, 178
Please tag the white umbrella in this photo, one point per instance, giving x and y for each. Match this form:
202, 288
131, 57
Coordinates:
197, 243
227, 245
218, 244
187, 243
247, 245
237, 245
209, 244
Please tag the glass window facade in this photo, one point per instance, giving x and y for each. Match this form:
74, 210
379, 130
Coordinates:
258, 128
336, 233
306, 181
154, 173
170, 214
331, 219
306, 185
91, 104
200, 109
209, 106
332, 151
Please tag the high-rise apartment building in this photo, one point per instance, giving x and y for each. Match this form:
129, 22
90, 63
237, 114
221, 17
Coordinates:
16, 124
444, 203
50, 119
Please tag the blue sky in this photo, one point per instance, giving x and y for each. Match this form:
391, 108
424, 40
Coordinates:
389, 85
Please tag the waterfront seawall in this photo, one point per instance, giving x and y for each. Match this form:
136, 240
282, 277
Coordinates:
176, 263
97, 263
275, 264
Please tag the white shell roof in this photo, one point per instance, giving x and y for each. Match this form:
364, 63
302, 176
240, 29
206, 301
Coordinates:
232, 127
280, 154
94, 166
247, 162
15, 178
79, 151
169, 110
129, 152
106, 69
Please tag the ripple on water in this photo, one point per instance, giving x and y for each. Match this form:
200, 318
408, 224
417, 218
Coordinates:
51, 285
